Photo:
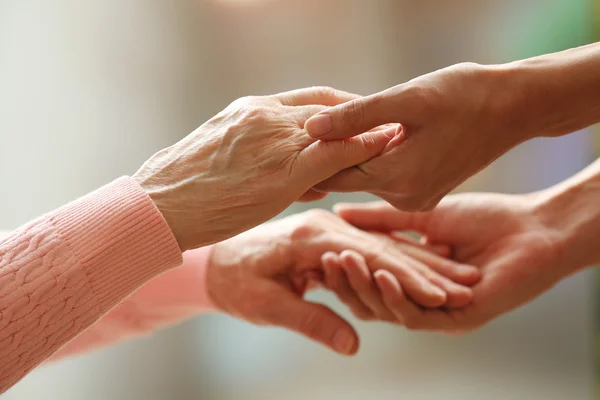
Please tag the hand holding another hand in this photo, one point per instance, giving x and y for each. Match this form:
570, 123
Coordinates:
514, 240
261, 276
455, 121
248, 163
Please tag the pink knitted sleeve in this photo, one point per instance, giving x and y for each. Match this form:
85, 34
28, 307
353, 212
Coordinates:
172, 297
60, 273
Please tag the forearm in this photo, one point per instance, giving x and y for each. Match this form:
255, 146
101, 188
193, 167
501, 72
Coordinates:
554, 94
60, 273
572, 210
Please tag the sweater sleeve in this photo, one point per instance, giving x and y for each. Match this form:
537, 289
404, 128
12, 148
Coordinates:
172, 297
60, 273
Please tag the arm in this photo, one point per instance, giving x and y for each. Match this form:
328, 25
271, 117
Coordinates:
555, 94
458, 120
60, 273
572, 209
174, 296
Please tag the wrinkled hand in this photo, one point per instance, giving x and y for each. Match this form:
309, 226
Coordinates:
247, 164
455, 121
507, 237
261, 275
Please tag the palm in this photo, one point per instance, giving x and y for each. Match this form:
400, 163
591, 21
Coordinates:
497, 233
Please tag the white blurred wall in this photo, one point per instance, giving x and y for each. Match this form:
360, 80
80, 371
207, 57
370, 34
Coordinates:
90, 89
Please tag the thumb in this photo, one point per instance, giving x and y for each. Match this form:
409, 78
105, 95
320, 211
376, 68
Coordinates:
356, 116
383, 217
321, 160
314, 321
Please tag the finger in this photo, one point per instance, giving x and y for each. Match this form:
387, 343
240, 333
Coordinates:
314, 321
441, 250
383, 217
312, 195
321, 160
362, 283
433, 267
306, 281
336, 281
457, 296
406, 311
363, 176
462, 274
358, 178
417, 287
392, 290
301, 113
357, 116
322, 95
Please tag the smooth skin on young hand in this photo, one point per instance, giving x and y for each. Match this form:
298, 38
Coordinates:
522, 244
457, 120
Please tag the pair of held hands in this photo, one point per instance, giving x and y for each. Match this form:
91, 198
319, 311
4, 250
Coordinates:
258, 156
483, 255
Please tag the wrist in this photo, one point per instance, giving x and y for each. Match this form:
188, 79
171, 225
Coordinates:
507, 98
159, 194
566, 212
555, 94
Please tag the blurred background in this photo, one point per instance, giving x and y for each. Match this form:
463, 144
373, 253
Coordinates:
90, 89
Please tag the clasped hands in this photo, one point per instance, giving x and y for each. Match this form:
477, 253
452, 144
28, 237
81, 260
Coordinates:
480, 255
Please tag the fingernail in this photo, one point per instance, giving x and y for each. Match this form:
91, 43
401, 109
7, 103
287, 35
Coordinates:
379, 276
343, 341
319, 125
439, 292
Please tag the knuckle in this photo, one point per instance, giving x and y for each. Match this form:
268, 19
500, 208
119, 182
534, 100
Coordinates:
255, 114
421, 101
244, 101
310, 224
312, 323
324, 91
353, 113
303, 231
372, 145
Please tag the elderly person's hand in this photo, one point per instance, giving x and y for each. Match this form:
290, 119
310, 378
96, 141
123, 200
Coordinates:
261, 275
247, 164
523, 245
457, 120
